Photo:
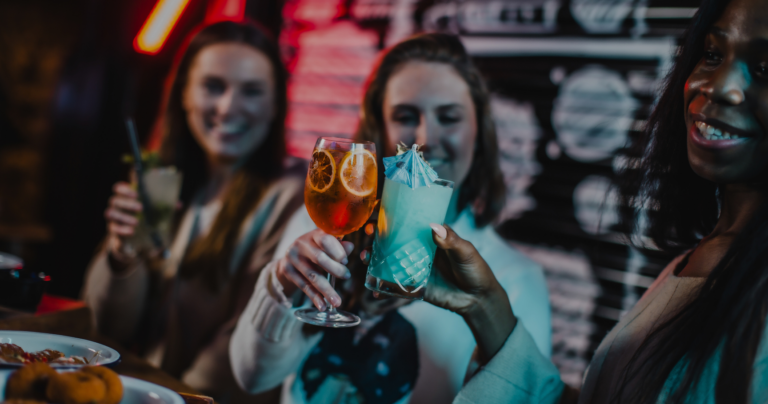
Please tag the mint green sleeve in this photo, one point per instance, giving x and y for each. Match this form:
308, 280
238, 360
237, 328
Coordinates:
760, 377
518, 374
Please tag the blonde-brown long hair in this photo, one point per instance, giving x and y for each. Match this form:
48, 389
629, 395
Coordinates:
210, 257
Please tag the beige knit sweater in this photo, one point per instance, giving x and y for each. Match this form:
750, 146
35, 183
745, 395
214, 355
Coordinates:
179, 324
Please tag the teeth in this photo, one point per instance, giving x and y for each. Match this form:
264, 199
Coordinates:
711, 133
232, 128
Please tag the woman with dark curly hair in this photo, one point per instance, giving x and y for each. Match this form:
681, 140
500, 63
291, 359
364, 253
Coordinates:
424, 90
698, 333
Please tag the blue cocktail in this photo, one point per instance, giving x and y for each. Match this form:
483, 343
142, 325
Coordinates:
403, 249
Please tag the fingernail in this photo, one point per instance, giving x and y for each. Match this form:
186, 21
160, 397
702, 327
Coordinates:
347, 275
321, 306
335, 301
364, 255
439, 230
344, 261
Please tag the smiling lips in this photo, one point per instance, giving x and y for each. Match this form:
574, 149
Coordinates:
710, 132
228, 130
714, 137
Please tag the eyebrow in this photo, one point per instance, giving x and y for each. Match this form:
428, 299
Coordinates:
257, 82
451, 105
441, 106
718, 32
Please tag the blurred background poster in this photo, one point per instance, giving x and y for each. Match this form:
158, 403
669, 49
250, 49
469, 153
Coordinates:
572, 81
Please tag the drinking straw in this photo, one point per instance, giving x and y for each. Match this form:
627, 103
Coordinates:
149, 213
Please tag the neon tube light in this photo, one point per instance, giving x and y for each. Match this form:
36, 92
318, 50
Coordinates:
158, 26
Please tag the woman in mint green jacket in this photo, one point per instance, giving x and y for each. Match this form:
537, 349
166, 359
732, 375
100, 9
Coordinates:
697, 335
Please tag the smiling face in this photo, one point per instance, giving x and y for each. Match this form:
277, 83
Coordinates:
229, 100
726, 98
429, 103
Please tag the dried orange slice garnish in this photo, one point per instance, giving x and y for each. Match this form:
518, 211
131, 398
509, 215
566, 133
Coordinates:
358, 172
322, 171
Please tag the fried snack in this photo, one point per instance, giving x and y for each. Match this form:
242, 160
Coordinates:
75, 388
29, 382
111, 380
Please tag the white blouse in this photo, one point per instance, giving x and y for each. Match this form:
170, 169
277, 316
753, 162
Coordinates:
269, 348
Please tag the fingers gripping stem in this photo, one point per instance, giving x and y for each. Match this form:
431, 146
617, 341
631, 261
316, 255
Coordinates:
332, 280
330, 307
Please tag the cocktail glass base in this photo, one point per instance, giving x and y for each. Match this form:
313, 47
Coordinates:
393, 289
330, 318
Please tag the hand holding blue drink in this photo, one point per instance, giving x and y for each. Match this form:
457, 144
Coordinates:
463, 283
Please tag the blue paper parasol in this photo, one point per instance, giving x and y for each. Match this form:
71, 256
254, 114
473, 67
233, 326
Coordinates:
409, 167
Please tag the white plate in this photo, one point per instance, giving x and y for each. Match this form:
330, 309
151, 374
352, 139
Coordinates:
96, 354
135, 391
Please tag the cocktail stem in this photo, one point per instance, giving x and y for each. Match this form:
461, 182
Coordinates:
332, 280
329, 307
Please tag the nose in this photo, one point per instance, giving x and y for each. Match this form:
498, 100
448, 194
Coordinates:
427, 133
422, 132
728, 83
226, 102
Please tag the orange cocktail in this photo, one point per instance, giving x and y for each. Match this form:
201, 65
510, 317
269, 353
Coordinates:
340, 191
340, 194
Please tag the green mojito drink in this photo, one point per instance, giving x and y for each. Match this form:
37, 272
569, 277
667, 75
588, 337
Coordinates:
163, 185
403, 249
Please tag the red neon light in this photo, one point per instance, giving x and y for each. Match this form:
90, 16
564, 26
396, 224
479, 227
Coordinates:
161, 21
225, 10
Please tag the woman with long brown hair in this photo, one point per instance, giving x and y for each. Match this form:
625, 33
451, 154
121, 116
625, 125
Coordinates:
224, 130
424, 90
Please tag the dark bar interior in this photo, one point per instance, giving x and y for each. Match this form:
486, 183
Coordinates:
565, 101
